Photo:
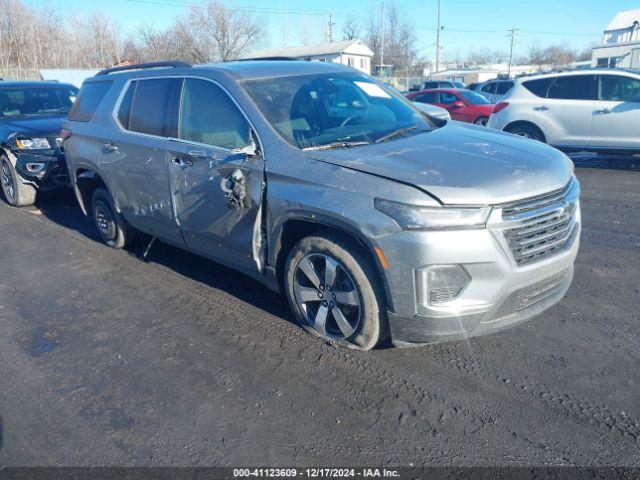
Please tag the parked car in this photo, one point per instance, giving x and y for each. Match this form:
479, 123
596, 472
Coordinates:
431, 84
597, 110
434, 111
375, 222
494, 90
31, 116
463, 105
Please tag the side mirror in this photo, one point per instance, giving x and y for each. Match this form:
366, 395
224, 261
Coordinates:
458, 104
251, 150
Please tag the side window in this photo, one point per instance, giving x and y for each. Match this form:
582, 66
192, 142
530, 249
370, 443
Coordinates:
503, 87
573, 87
209, 116
150, 106
447, 98
630, 89
124, 112
538, 87
429, 97
88, 101
489, 88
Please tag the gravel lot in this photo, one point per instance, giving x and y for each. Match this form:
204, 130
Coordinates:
110, 360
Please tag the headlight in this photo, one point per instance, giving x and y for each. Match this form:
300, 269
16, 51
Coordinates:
33, 144
415, 217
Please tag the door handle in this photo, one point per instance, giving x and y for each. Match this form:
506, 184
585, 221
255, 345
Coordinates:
541, 108
110, 147
603, 111
183, 163
197, 154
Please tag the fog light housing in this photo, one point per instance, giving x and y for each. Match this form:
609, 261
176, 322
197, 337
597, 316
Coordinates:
441, 284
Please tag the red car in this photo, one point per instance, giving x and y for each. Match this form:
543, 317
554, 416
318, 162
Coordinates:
463, 105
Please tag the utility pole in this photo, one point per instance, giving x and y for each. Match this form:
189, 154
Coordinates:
330, 27
512, 33
382, 38
438, 38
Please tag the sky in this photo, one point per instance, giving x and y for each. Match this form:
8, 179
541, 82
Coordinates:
468, 24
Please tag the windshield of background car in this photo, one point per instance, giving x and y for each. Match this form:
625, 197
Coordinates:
474, 98
315, 110
16, 101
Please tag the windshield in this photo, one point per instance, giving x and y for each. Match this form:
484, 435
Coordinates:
340, 110
16, 101
474, 98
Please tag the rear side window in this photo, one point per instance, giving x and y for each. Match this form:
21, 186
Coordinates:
429, 97
538, 87
209, 116
88, 101
124, 112
150, 106
503, 87
489, 88
573, 87
616, 88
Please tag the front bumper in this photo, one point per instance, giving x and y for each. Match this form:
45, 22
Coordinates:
500, 293
44, 171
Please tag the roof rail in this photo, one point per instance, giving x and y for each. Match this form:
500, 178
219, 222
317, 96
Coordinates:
143, 66
269, 59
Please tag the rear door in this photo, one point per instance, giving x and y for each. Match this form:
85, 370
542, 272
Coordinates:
565, 115
135, 158
216, 190
616, 113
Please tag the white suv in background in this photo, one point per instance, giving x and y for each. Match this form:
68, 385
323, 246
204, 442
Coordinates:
597, 110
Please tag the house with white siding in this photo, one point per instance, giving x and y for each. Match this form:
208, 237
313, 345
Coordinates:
353, 53
621, 42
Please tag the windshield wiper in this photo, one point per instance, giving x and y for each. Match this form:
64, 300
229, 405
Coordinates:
335, 145
401, 132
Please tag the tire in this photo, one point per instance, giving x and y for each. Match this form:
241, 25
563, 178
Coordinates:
15, 192
111, 227
527, 131
360, 327
482, 121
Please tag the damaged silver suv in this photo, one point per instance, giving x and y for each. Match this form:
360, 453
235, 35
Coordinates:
371, 217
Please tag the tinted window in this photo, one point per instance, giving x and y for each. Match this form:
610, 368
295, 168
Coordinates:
150, 106
489, 88
428, 85
448, 98
88, 101
503, 87
619, 89
573, 87
208, 115
429, 97
538, 87
124, 112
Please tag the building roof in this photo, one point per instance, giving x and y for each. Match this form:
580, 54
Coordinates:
349, 46
624, 19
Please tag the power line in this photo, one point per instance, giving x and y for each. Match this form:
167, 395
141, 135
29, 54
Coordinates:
531, 32
243, 9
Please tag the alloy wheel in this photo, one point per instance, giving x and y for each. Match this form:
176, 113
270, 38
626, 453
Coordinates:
327, 296
7, 180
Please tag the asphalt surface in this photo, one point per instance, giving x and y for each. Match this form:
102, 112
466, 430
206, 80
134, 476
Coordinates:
106, 359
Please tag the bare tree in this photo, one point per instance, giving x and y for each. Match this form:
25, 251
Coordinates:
399, 38
351, 28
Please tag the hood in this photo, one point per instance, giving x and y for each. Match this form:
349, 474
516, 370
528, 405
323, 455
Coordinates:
42, 126
462, 164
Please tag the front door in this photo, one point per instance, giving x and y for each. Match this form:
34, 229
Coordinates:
216, 189
616, 113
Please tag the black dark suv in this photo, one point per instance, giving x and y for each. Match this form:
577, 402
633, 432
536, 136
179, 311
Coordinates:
31, 118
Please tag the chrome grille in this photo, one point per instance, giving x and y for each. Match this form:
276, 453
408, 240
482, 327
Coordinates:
543, 226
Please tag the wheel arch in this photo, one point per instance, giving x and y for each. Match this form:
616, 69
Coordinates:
528, 123
296, 228
85, 181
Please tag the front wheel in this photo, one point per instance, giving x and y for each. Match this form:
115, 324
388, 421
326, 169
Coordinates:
17, 193
334, 293
481, 121
526, 131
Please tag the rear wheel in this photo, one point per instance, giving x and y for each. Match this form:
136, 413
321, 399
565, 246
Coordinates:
527, 131
481, 121
334, 293
111, 227
17, 193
